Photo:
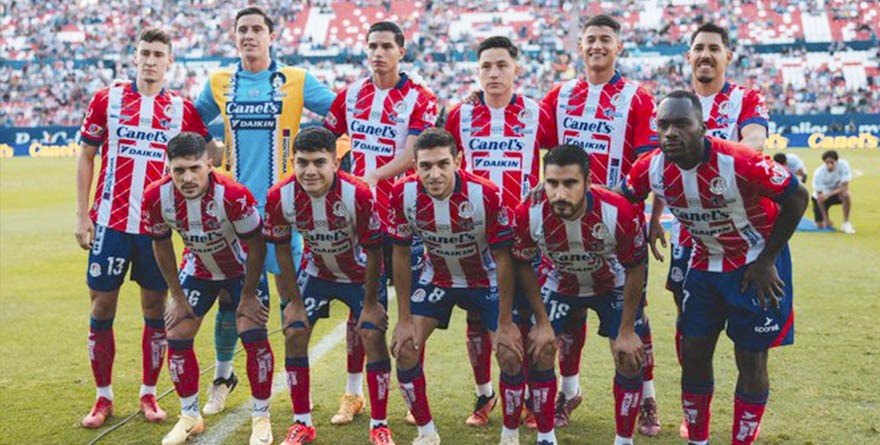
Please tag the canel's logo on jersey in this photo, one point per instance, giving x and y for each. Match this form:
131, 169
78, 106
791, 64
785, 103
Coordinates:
201, 238
266, 107
372, 129
489, 144
460, 238
140, 134
700, 215
601, 127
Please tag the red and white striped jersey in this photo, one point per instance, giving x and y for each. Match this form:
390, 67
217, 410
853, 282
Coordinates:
131, 130
613, 122
336, 227
502, 145
726, 113
588, 255
459, 231
378, 122
726, 202
211, 226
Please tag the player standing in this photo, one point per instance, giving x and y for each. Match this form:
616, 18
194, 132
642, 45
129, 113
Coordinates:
595, 243
213, 215
382, 114
499, 137
740, 208
610, 118
466, 233
130, 124
261, 102
337, 216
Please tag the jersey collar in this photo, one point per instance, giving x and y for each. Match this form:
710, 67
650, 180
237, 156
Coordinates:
726, 88
273, 66
590, 199
482, 95
707, 153
134, 87
400, 83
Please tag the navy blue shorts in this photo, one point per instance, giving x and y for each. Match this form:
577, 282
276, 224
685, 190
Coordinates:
680, 257
712, 299
201, 294
609, 307
317, 294
112, 253
437, 302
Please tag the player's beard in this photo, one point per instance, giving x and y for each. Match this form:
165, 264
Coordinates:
705, 79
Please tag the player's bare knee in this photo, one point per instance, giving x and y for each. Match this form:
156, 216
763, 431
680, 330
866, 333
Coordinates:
372, 336
153, 303
508, 362
546, 358
752, 366
407, 356
244, 324
104, 304
696, 353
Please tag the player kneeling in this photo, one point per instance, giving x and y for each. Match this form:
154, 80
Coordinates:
335, 213
214, 215
594, 241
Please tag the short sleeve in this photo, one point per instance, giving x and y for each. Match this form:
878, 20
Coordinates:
641, 123
453, 126
317, 97
845, 171
369, 220
398, 228
499, 232
424, 114
637, 184
524, 246
154, 223
276, 228
94, 127
632, 249
754, 110
206, 105
335, 120
768, 178
242, 211
546, 126
193, 122
549, 103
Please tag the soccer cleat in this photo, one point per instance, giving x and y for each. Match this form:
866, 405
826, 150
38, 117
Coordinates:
151, 409
299, 434
217, 394
185, 428
529, 420
509, 439
261, 430
350, 406
427, 439
102, 410
846, 227
482, 408
649, 419
381, 435
683, 431
565, 407
409, 418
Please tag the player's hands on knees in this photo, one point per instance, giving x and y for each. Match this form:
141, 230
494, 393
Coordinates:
769, 287
542, 341
536, 194
374, 314
251, 308
296, 312
85, 232
177, 310
509, 338
628, 352
655, 233
404, 332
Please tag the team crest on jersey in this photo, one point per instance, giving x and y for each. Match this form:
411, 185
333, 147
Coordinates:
399, 107
525, 115
277, 80
718, 185
339, 208
503, 219
418, 296
375, 224
403, 230
331, 120
778, 174
466, 210
95, 270
211, 209
724, 108
600, 230
528, 252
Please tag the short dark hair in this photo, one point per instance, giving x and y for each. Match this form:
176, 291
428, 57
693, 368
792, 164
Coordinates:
253, 10
712, 28
684, 94
184, 145
314, 139
150, 35
603, 20
780, 158
832, 154
568, 154
435, 137
391, 27
498, 42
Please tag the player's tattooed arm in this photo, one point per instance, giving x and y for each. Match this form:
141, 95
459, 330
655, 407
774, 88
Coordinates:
405, 330
85, 172
373, 312
655, 228
250, 307
628, 353
179, 308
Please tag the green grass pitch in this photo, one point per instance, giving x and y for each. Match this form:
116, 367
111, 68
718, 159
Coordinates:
824, 389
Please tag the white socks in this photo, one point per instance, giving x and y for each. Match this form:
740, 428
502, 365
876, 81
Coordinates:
355, 384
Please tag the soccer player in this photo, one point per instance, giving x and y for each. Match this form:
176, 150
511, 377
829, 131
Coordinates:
793, 163
261, 102
595, 242
610, 118
499, 137
831, 186
740, 208
338, 219
382, 114
218, 220
731, 112
130, 124
466, 232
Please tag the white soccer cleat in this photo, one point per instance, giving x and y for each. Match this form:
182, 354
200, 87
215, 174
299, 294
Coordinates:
185, 428
847, 227
217, 394
427, 439
509, 439
261, 431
